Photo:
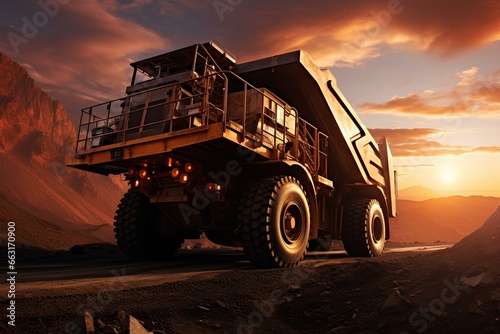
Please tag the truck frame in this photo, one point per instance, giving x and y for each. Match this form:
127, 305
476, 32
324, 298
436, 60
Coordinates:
267, 155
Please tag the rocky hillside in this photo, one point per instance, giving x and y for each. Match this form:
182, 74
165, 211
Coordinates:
35, 136
29, 114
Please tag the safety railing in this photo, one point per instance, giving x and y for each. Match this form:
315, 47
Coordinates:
312, 148
178, 106
256, 114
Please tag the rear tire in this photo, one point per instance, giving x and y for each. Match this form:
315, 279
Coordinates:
363, 228
136, 229
275, 222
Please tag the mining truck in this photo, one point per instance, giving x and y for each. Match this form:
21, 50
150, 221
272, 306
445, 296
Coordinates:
266, 155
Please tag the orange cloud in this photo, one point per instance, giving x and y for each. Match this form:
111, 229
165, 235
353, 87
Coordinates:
489, 149
172, 8
84, 53
473, 95
348, 33
451, 26
418, 142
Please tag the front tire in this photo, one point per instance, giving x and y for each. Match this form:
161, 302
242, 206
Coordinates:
275, 222
363, 228
136, 229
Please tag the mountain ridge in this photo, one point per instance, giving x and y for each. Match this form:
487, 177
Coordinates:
446, 219
35, 137
25, 108
417, 193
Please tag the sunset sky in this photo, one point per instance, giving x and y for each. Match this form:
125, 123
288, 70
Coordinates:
425, 73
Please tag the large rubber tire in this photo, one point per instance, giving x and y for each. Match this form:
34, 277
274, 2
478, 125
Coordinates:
275, 222
363, 228
136, 232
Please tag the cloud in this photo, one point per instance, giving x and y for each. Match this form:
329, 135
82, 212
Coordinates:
450, 26
416, 165
82, 55
173, 9
400, 135
473, 95
489, 149
421, 142
333, 32
349, 33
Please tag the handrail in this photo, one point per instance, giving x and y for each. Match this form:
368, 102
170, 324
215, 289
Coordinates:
271, 131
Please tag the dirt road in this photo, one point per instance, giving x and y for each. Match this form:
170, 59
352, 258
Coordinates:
219, 291
71, 276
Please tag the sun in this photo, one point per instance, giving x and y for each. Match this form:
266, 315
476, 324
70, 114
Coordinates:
448, 176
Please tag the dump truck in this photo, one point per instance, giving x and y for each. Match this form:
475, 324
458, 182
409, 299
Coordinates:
266, 155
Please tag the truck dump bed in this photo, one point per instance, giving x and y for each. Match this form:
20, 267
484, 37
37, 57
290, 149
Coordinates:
354, 157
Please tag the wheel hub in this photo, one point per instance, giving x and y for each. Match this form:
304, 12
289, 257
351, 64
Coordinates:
292, 223
289, 223
377, 229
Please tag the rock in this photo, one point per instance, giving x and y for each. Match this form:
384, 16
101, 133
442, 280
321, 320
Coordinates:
338, 329
121, 315
475, 308
325, 293
222, 304
89, 323
135, 327
496, 295
203, 308
111, 329
293, 288
100, 323
395, 303
483, 279
129, 324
